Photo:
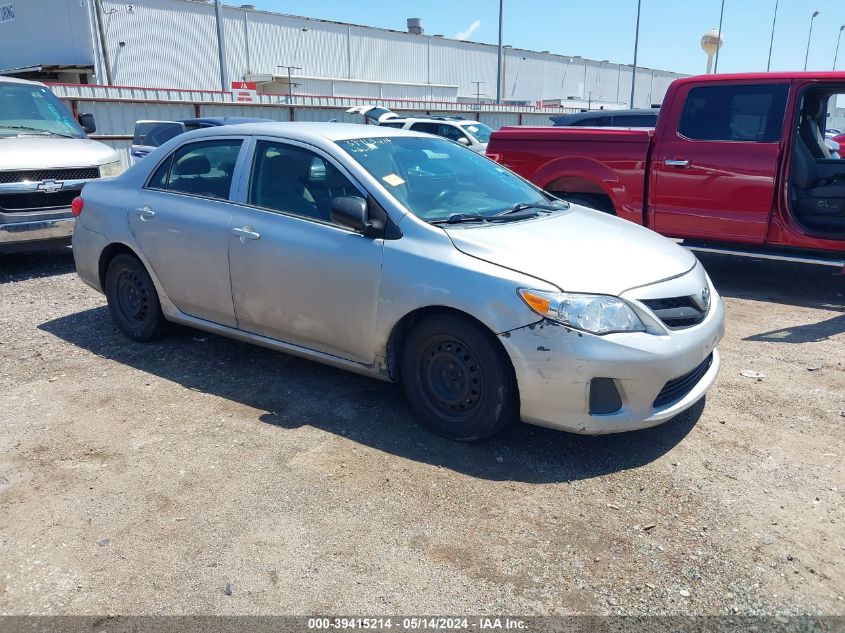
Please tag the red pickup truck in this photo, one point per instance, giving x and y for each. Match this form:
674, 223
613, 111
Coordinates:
737, 163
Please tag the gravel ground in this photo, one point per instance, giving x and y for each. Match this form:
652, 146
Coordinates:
202, 475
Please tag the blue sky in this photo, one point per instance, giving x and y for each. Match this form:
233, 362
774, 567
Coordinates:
670, 30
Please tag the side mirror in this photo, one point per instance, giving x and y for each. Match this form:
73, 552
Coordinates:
86, 120
352, 211
463, 140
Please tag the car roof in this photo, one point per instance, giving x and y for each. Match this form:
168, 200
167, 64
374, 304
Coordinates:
305, 131
224, 120
591, 114
15, 80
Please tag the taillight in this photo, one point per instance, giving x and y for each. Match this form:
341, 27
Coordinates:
496, 156
76, 206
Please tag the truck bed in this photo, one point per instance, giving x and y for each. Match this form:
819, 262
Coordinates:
616, 157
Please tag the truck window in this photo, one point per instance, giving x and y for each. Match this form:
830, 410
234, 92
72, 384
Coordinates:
752, 113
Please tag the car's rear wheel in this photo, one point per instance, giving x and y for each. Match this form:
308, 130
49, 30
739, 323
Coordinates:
458, 379
133, 300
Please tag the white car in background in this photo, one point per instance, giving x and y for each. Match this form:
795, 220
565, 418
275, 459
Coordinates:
471, 134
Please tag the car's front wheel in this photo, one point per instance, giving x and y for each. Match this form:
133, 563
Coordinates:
133, 300
458, 379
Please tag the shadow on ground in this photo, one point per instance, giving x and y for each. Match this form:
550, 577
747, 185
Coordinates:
293, 392
788, 284
46, 263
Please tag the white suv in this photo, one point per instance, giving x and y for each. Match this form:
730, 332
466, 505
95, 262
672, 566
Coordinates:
473, 134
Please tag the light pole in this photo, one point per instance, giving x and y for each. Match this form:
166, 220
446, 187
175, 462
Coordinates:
499, 58
838, 39
721, 15
772, 41
636, 45
290, 83
809, 37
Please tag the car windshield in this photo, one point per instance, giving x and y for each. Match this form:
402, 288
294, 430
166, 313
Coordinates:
478, 131
32, 109
435, 178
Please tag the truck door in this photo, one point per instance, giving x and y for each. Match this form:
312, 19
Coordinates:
713, 171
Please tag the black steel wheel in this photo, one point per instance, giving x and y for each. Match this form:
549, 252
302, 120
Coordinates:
132, 298
458, 378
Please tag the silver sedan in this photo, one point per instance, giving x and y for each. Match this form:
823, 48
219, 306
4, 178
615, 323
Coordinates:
404, 256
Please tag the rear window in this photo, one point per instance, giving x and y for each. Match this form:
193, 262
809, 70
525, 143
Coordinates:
734, 113
155, 133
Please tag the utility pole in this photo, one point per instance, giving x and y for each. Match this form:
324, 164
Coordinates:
721, 15
101, 32
772, 41
499, 60
636, 45
290, 83
839, 39
221, 47
809, 38
478, 85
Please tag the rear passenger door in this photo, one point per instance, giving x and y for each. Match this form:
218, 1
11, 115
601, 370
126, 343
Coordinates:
180, 219
713, 171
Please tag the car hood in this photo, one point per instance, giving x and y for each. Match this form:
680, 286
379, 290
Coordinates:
578, 250
43, 152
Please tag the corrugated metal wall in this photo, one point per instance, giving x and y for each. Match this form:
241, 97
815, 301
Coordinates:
173, 43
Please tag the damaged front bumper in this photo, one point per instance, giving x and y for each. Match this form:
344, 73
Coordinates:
656, 376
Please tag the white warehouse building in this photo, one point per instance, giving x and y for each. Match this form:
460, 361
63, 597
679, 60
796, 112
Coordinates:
174, 44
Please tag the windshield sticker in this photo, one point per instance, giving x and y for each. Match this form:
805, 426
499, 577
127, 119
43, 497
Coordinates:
393, 180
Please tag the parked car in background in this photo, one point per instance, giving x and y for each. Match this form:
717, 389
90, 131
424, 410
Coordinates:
472, 134
150, 134
406, 257
608, 118
45, 159
737, 164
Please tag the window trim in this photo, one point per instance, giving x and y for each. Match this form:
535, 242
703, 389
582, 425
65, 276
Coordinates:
320, 153
742, 84
231, 199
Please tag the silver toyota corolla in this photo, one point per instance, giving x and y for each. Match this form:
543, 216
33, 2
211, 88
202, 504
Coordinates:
404, 256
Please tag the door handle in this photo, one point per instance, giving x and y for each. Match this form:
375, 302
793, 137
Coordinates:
246, 233
671, 162
146, 212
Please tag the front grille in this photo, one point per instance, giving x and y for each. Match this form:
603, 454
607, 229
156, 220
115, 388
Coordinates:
677, 312
677, 388
37, 200
37, 175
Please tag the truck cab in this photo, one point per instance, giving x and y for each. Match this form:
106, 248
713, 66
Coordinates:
738, 162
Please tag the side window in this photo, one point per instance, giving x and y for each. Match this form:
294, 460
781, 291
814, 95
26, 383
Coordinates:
635, 120
201, 169
450, 131
428, 128
598, 121
734, 113
295, 180
396, 125
159, 178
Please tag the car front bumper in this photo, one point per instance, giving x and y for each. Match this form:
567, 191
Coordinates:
555, 366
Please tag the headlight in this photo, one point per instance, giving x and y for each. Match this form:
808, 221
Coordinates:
111, 169
599, 314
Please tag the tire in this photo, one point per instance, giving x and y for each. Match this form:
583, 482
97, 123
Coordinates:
133, 300
458, 379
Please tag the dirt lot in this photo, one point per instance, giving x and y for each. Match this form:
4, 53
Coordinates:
204, 475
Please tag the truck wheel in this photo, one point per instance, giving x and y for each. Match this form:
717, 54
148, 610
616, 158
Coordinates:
133, 300
458, 379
